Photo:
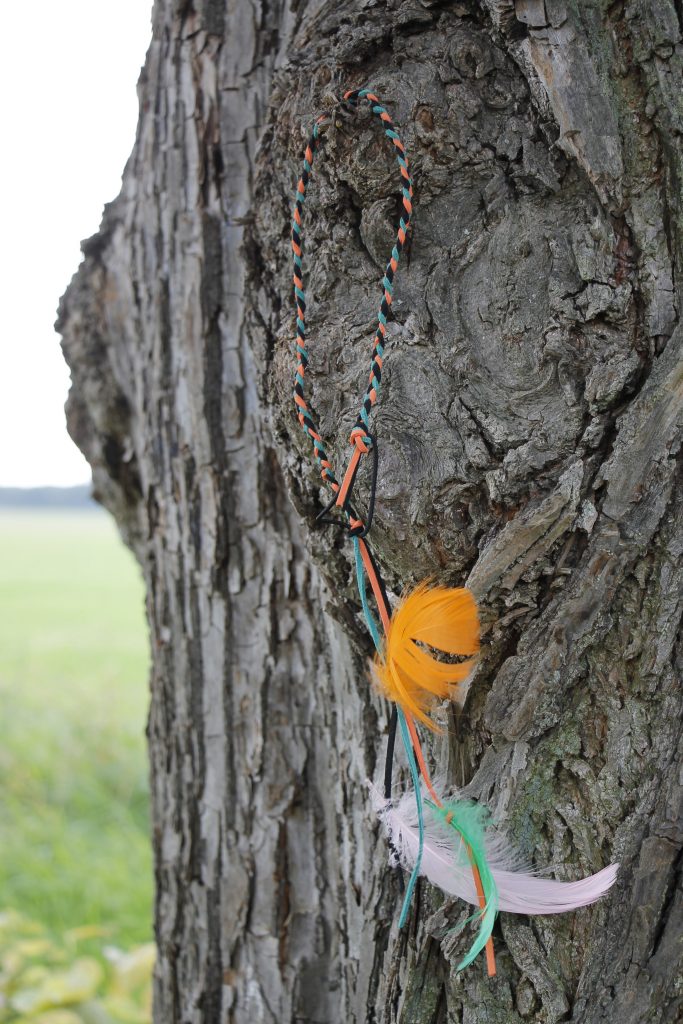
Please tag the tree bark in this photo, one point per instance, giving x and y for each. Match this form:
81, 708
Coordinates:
529, 425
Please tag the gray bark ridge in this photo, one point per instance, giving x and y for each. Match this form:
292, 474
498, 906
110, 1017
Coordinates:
529, 424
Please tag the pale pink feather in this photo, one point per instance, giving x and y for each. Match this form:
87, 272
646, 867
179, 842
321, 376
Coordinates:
519, 891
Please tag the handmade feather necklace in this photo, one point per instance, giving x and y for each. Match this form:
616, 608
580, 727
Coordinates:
452, 842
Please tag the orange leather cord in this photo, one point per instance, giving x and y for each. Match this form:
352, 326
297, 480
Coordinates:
348, 477
374, 583
417, 747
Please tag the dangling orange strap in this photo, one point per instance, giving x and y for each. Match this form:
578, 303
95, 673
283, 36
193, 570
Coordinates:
417, 747
374, 583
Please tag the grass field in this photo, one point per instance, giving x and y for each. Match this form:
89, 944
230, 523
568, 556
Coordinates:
74, 846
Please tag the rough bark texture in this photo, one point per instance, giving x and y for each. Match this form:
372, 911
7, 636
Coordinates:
529, 425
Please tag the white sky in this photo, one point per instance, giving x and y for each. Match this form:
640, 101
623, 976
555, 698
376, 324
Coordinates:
68, 74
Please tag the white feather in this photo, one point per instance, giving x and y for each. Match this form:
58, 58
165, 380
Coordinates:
445, 864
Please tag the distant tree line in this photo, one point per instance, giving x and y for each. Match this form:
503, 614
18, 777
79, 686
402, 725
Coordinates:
48, 497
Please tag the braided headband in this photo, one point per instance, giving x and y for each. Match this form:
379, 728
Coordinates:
451, 841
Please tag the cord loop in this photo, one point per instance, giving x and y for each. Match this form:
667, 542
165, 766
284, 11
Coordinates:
361, 438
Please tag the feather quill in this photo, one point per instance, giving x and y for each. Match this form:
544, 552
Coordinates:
446, 866
441, 618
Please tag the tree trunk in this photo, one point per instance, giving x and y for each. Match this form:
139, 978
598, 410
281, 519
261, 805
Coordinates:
529, 423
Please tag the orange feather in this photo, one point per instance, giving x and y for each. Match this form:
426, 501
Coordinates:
441, 618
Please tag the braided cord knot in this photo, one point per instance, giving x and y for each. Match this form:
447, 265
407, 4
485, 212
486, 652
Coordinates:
361, 440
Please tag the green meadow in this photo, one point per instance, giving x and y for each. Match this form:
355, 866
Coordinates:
75, 856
